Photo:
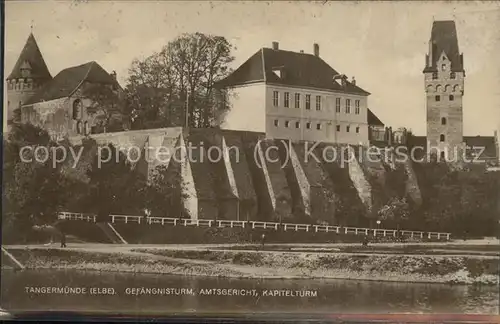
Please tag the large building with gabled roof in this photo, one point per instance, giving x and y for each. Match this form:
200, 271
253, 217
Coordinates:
297, 96
59, 104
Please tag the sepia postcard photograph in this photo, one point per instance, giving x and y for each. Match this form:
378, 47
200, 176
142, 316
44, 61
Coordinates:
335, 160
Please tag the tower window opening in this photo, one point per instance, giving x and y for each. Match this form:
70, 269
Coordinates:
443, 120
434, 76
442, 155
77, 109
453, 75
443, 67
452, 97
441, 138
437, 98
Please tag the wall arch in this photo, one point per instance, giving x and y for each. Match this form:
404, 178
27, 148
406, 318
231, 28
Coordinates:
447, 88
430, 88
456, 88
439, 88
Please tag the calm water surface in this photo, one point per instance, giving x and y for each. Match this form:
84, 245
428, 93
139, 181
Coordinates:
333, 296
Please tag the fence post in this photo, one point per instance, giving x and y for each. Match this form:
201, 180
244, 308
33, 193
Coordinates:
448, 236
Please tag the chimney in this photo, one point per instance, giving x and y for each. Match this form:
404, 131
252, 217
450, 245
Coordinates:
343, 80
302, 51
353, 80
276, 46
113, 74
316, 49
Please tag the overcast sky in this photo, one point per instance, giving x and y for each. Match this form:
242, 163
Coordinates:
382, 44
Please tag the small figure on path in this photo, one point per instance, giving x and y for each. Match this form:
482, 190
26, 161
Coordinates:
263, 240
366, 240
63, 239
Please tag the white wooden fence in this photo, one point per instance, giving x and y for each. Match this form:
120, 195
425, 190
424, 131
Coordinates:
254, 224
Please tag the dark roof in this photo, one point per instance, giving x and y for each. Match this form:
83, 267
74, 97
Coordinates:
486, 144
297, 70
31, 54
444, 39
68, 80
373, 120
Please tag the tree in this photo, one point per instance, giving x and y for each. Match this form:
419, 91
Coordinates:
114, 186
163, 193
396, 210
180, 77
108, 106
33, 191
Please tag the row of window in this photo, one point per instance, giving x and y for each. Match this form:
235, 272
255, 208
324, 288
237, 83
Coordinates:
447, 88
450, 97
309, 125
297, 101
21, 86
83, 128
453, 75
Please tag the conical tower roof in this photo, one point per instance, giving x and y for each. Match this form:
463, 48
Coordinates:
31, 57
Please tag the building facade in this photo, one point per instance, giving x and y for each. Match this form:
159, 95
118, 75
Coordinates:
297, 96
65, 105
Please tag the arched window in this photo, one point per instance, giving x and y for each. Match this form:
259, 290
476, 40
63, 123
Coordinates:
447, 88
438, 88
77, 109
86, 128
79, 127
442, 155
442, 137
456, 88
443, 120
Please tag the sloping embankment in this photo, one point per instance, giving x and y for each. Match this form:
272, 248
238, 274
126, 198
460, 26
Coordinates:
259, 264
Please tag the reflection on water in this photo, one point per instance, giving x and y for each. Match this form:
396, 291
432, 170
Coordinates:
333, 296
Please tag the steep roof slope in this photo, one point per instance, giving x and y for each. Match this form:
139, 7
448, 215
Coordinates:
32, 55
444, 39
295, 69
373, 120
68, 80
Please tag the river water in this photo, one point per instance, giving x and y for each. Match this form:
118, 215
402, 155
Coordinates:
24, 290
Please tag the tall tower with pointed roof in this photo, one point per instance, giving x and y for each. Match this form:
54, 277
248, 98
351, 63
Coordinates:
28, 75
444, 86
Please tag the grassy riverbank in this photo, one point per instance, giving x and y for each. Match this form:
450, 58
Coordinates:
271, 264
